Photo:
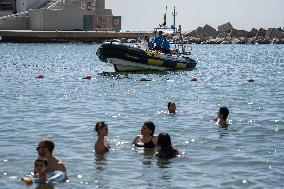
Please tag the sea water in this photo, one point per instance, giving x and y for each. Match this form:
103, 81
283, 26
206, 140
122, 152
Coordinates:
65, 108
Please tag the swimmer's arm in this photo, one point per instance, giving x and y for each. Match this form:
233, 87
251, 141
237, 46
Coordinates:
178, 153
61, 167
135, 139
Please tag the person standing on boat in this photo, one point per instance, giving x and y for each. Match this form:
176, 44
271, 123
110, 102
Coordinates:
147, 43
159, 41
166, 45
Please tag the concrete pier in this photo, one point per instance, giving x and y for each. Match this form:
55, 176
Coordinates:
28, 36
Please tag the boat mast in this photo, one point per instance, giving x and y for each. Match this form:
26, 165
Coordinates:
174, 15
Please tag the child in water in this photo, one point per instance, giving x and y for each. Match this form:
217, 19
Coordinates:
40, 173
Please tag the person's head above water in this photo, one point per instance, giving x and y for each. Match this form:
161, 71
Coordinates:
148, 128
101, 128
223, 113
164, 140
172, 107
45, 146
40, 165
160, 33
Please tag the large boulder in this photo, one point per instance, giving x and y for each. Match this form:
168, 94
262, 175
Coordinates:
238, 33
225, 27
274, 33
204, 32
261, 33
209, 31
252, 33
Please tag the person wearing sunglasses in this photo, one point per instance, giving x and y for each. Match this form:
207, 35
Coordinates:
45, 149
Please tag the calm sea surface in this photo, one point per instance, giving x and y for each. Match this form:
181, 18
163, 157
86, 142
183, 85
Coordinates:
65, 108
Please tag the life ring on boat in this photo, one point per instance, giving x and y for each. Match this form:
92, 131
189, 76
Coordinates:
53, 177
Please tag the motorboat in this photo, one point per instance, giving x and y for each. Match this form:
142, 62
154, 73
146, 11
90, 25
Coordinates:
131, 58
138, 57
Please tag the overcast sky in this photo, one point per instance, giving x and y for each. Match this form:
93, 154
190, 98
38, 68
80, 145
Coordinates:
144, 15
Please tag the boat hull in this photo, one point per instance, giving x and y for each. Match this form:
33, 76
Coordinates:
128, 66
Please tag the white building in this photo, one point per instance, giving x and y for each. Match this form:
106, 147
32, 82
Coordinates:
61, 15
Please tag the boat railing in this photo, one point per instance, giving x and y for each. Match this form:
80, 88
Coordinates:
58, 2
38, 4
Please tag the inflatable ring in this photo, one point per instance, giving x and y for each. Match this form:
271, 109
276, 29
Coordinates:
53, 177
56, 176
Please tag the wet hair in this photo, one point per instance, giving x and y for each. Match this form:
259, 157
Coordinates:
171, 102
164, 140
99, 125
166, 148
49, 144
42, 159
224, 111
151, 126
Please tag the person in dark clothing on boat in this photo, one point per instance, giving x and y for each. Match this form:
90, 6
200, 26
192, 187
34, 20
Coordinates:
159, 41
148, 43
166, 45
101, 146
147, 138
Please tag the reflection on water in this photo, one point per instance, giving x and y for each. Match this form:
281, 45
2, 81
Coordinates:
100, 161
223, 132
44, 186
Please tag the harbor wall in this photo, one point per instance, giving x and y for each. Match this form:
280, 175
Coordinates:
14, 23
28, 36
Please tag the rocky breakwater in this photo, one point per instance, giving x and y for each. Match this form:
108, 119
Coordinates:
227, 34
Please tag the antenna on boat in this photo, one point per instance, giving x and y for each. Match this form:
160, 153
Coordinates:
174, 15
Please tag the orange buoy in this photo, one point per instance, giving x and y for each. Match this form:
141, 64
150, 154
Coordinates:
144, 79
40, 76
87, 77
194, 78
250, 80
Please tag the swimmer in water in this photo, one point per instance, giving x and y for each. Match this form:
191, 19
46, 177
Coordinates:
147, 138
40, 174
172, 107
165, 148
221, 118
101, 146
45, 149
41, 169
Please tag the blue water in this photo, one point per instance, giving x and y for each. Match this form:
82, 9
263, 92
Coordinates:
65, 108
